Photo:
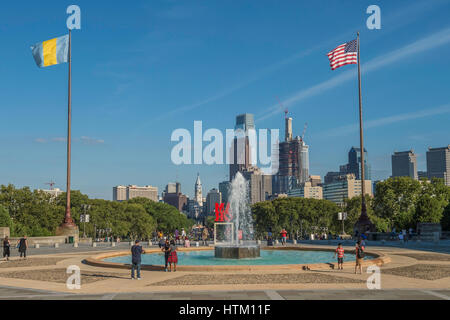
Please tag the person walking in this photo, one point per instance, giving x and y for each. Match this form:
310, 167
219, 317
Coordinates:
359, 251
6, 248
136, 252
166, 250
340, 254
173, 258
22, 244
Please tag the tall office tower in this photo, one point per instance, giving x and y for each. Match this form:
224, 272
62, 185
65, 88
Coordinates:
214, 196
240, 148
404, 164
245, 122
198, 191
438, 163
224, 188
293, 161
304, 162
177, 187
260, 184
122, 193
354, 163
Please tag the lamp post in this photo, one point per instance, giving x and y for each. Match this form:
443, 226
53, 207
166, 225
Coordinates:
85, 217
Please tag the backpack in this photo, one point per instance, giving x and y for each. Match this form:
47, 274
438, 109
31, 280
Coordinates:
360, 253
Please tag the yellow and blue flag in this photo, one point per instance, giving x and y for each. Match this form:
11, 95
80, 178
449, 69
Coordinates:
51, 52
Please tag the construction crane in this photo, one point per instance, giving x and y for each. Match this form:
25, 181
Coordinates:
51, 184
304, 130
286, 111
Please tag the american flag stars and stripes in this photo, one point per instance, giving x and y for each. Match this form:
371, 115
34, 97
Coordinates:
344, 54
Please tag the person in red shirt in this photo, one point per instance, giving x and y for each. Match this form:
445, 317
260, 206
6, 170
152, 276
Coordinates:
340, 254
283, 236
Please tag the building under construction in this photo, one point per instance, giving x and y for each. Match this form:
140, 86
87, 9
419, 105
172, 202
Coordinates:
293, 161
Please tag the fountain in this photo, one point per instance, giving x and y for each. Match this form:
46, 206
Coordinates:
242, 221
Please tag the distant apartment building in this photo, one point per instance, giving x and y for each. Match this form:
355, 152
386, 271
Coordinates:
260, 185
214, 196
172, 187
178, 200
404, 164
307, 190
422, 175
345, 187
438, 163
123, 193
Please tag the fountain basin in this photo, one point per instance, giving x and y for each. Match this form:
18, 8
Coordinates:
237, 252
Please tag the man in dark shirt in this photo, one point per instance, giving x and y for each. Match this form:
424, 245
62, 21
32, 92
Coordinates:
136, 252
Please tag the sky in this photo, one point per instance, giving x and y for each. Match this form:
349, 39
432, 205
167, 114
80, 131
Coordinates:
142, 69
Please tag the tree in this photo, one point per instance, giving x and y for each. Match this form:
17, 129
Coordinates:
5, 219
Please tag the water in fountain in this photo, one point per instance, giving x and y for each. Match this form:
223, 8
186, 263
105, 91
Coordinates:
240, 208
242, 220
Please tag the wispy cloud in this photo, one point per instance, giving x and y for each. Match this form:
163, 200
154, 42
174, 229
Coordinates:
397, 19
40, 140
348, 129
89, 140
430, 42
59, 139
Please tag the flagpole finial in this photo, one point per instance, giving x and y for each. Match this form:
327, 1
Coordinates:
357, 33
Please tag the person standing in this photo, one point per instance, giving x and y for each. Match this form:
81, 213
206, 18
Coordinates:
23, 246
6, 248
166, 250
136, 252
283, 236
359, 251
173, 258
177, 236
340, 254
205, 236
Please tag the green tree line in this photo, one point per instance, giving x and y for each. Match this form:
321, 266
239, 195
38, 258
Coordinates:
36, 213
399, 203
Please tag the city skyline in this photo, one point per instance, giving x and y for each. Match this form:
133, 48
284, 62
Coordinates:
124, 113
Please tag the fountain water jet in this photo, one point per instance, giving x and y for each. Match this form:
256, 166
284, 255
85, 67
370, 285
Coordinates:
242, 219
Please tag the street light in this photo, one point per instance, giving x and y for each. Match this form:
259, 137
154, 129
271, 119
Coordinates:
85, 217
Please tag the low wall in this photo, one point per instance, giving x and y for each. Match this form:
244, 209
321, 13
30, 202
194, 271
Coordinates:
379, 259
42, 240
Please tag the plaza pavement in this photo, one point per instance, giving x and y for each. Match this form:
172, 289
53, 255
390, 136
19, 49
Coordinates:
411, 274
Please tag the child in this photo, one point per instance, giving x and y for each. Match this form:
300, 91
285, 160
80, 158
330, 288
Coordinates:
173, 258
340, 254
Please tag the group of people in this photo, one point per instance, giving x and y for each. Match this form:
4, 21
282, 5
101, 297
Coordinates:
22, 246
359, 253
170, 256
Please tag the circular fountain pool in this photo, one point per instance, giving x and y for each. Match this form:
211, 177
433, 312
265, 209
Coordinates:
268, 257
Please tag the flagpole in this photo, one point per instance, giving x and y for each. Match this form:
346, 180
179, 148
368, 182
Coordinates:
363, 223
68, 221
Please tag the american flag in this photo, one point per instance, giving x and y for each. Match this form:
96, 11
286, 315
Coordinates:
344, 54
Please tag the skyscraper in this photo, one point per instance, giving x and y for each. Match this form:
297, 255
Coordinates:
224, 188
404, 164
214, 196
438, 163
240, 148
354, 163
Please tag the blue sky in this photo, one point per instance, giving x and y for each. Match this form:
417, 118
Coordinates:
141, 71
